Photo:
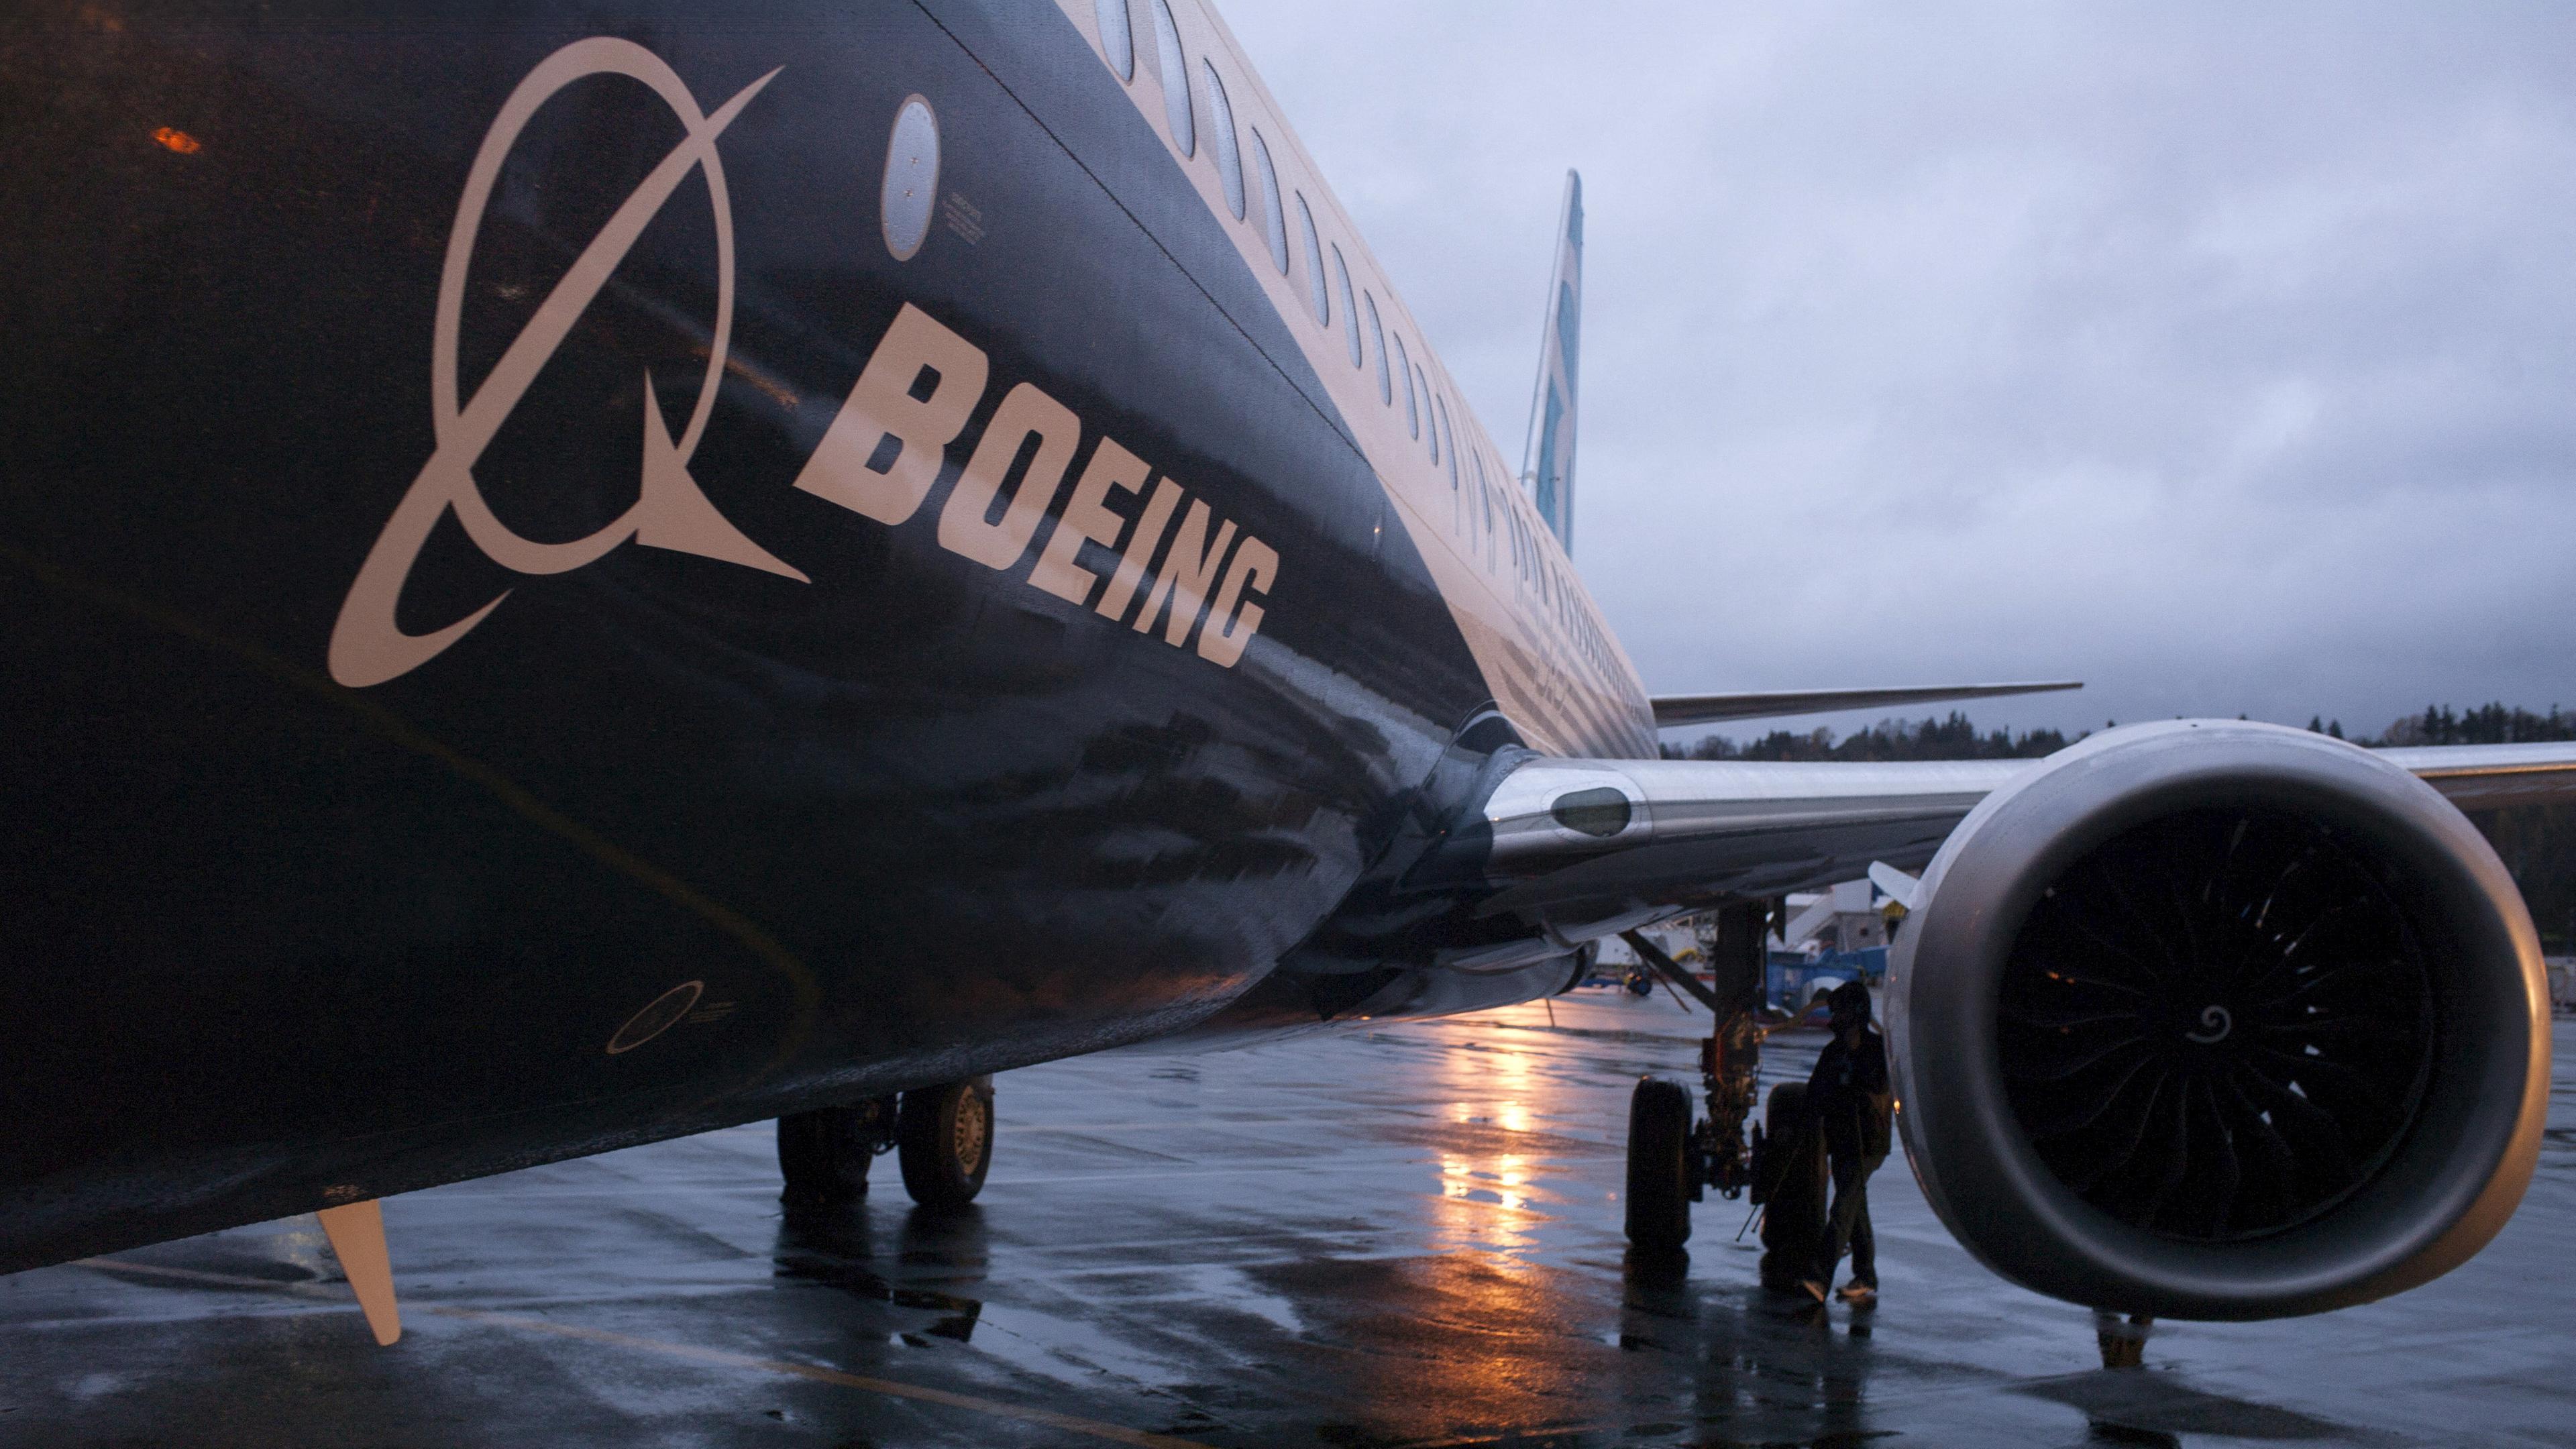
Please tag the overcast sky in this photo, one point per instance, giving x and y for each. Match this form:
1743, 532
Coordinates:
2223, 357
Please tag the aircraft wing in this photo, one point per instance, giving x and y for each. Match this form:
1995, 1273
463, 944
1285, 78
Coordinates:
1691, 709
2488, 777
1591, 846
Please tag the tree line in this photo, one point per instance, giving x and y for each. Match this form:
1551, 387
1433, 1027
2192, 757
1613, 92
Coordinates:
2536, 842
1889, 739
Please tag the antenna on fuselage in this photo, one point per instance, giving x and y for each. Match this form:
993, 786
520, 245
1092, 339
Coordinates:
1547, 458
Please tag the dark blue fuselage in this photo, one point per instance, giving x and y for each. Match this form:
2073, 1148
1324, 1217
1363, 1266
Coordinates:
269, 940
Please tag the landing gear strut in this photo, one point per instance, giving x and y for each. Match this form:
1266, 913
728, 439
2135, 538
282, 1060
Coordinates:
1671, 1160
942, 1136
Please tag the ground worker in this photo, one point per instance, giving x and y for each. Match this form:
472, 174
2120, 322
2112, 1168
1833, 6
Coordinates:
1851, 1100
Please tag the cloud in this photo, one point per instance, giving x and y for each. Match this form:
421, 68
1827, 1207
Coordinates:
2222, 358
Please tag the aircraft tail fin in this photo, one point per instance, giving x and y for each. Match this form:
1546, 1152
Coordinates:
1547, 461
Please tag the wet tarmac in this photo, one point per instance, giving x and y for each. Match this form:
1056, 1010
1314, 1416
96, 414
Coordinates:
1405, 1236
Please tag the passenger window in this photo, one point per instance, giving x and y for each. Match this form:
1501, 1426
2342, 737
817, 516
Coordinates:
1435, 432
1229, 161
1274, 216
1422, 384
1350, 309
1450, 441
1314, 264
1377, 339
1176, 79
1116, 40
1404, 369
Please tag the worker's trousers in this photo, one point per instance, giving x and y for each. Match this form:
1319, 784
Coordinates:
1847, 1225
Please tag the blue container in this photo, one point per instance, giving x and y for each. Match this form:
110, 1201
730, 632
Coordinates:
1796, 981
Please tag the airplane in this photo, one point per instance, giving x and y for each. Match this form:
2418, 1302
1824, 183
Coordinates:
579, 575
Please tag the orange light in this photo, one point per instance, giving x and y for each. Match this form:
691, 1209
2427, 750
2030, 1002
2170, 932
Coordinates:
178, 140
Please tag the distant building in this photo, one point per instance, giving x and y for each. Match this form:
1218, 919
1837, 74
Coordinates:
1852, 916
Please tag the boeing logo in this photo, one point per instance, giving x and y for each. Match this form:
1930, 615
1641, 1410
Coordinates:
367, 646
880, 456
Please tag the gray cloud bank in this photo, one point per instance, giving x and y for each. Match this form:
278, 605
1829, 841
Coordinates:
2221, 356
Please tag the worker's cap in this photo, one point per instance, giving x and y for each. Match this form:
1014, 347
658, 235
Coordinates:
1851, 999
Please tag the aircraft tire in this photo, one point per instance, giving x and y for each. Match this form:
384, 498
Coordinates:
823, 1154
944, 1142
1793, 1210
1659, 1124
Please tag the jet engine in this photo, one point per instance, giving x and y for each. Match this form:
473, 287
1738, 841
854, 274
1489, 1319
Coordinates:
2219, 1020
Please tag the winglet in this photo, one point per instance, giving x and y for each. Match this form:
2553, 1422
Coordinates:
1547, 459
357, 1233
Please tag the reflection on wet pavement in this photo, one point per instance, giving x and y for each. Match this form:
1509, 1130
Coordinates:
1405, 1236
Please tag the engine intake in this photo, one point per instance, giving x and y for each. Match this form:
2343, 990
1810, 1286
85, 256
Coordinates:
2219, 1020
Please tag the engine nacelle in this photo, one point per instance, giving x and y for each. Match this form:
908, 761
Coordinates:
2219, 1020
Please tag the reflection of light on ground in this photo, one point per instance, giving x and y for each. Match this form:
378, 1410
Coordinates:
1483, 1343
1482, 1211
1489, 1203
1502, 1184
1510, 1116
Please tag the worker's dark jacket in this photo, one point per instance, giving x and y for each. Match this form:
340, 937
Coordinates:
1850, 1096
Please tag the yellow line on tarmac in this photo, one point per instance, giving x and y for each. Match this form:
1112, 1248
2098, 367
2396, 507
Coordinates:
1092, 1428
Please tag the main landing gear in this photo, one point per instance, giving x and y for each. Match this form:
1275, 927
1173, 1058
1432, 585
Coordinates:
942, 1138
1673, 1161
